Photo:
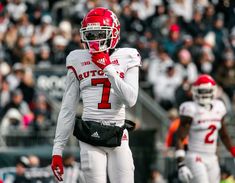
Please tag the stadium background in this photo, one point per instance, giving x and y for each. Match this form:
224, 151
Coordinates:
177, 40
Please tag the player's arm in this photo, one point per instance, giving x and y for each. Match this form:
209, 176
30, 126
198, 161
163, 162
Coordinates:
127, 88
184, 172
225, 138
67, 113
182, 133
65, 122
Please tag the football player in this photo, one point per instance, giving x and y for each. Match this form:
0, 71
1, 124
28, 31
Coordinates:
203, 120
106, 78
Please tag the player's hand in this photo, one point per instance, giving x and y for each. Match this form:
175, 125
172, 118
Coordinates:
57, 167
232, 151
184, 173
101, 59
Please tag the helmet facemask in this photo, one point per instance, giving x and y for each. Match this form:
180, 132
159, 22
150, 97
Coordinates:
204, 93
98, 38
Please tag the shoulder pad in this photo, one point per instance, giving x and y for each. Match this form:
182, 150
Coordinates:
220, 106
74, 57
187, 109
133, 55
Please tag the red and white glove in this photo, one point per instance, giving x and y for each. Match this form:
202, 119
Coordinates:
57, 167
101, 59
232, 151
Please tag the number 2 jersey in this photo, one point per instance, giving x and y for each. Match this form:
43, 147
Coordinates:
203, 133
104, 93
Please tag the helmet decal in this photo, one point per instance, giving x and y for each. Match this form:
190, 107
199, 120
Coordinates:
115, 19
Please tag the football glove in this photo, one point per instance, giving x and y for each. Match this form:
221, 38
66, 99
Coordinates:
101, 59
184, 173
57, 167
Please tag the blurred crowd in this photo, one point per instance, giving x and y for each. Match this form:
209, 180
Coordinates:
177, 39
30, 169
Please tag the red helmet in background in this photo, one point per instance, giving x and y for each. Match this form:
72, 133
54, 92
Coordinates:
100, 30
204, 89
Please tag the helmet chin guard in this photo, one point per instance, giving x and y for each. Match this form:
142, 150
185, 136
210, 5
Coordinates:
100, 30
204, 90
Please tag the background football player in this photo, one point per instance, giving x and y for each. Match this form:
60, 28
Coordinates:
201, 119
107, 81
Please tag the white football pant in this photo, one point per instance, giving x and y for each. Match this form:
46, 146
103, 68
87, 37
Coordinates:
95, 161
204, 167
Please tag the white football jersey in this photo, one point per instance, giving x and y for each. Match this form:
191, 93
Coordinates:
100, 101
203, 133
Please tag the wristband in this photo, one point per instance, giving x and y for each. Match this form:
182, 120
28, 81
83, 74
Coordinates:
181, 164
180, 153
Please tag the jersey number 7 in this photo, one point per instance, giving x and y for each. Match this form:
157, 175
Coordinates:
104, 104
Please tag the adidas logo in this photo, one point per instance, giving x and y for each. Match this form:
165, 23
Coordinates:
124, 137
95, 134
101, 61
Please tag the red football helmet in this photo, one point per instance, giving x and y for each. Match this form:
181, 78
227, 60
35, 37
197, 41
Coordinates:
204, 89
100, 30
